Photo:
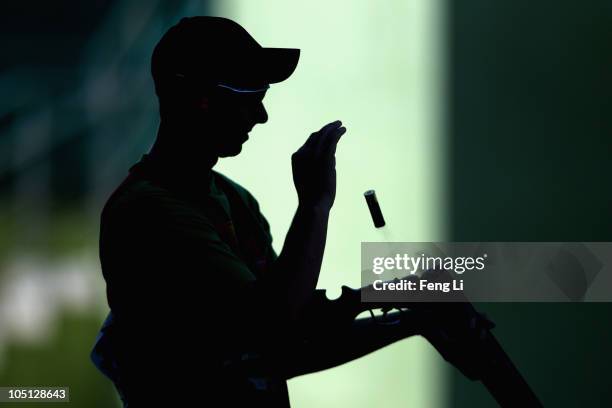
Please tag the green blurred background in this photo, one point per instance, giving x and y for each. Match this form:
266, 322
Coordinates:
476, 120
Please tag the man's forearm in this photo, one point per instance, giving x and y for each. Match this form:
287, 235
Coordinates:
299, 263
362, 337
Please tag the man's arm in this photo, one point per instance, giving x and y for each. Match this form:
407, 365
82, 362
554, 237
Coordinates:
299, 263
331, 349
314, 175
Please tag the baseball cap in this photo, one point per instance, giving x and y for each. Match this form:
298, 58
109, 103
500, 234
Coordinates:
208, 50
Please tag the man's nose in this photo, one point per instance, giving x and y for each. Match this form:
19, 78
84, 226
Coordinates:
261, 116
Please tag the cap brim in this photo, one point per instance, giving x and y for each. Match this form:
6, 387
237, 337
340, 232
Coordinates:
263, 66
277, 64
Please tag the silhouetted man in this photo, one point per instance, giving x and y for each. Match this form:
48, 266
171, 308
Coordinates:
203, 311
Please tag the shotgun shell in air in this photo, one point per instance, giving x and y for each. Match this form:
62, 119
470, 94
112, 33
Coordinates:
374, 207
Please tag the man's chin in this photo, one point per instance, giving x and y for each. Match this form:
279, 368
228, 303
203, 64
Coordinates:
233, 146
229, 151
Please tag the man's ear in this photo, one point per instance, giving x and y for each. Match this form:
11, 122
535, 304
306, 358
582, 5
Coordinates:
204, 103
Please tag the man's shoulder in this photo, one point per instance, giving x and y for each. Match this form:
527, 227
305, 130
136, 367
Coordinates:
138, 196
134, 191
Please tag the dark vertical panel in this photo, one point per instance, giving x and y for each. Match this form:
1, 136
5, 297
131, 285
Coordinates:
530, 126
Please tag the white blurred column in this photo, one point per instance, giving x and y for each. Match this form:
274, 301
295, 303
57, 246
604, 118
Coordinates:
379, 67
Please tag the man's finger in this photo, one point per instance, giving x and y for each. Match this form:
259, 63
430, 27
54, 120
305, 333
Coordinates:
333, 141
330, 126
315, 141
326, 134
328, 145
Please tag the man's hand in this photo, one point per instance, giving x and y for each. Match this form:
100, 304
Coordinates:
453, 327
314, 166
